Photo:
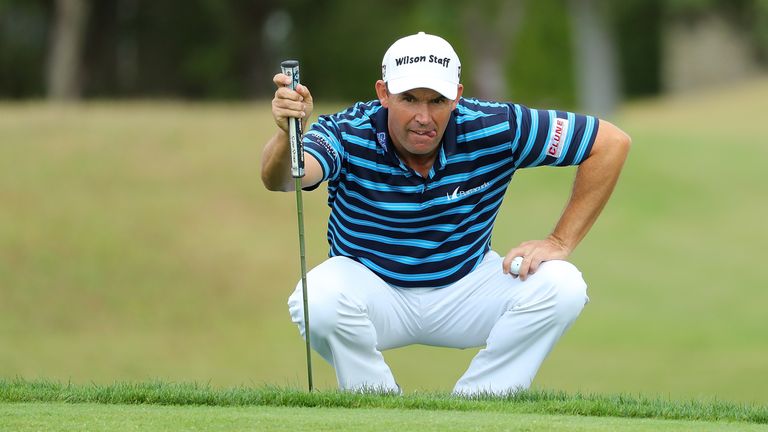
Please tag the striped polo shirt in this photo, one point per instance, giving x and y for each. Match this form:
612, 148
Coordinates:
415, 231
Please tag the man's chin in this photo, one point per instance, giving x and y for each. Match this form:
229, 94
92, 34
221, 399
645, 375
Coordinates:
421, 149
422, 144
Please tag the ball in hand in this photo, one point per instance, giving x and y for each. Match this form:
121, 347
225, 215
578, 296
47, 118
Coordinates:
514, 268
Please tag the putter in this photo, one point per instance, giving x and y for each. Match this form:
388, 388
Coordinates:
291, 68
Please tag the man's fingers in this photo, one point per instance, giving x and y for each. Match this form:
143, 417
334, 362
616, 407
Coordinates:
284, 92
529, 266
281, 80
304, 92
507, 263
534, 253
281, 113
287, 104
534, 265
288, 94
523, 272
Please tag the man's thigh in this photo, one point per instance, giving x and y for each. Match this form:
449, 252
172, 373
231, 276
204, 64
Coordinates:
462, 314
356, 296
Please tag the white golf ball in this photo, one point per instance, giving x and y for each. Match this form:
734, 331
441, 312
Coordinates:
514, 268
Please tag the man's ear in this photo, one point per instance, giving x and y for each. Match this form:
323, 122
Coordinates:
458, 95
382, 93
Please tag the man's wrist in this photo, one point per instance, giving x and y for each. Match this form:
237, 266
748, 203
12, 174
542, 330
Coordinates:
561, 243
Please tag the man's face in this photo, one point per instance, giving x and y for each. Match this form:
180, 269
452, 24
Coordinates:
417, 119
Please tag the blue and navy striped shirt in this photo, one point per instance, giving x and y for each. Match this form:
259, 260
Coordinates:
430, 232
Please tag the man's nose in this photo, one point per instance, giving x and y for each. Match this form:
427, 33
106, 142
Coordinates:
422, 113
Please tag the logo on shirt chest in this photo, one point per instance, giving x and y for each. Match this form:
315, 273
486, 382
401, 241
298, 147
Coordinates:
458, 193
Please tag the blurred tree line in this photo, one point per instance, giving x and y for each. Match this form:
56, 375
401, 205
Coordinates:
565, 52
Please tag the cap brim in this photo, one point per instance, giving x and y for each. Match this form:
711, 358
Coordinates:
445, 88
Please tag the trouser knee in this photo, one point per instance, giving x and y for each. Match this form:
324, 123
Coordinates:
325, 301
570, 290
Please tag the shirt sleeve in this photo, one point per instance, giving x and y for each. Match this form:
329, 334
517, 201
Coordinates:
323, 142
549, 137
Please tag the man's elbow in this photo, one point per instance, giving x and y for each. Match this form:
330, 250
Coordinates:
616, 140
623, 142
272, 185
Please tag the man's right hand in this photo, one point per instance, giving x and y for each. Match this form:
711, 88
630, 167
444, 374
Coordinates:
276, 157
288, 103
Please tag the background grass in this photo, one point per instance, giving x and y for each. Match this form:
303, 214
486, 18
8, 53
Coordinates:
137, 242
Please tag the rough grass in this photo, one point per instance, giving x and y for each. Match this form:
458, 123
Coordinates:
531, 402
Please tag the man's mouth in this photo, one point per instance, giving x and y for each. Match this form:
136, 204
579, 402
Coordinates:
426, 133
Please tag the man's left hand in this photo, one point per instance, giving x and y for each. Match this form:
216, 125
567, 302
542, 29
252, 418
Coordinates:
534, 252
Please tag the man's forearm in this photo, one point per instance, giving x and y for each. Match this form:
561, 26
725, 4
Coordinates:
276, 163
595, 180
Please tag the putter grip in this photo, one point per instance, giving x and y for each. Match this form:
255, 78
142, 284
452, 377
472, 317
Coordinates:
291, 68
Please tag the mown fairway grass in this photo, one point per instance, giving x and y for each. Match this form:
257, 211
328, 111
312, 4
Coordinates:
97, 417
165, 406
136, 242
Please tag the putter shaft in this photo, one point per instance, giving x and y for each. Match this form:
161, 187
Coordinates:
302, 253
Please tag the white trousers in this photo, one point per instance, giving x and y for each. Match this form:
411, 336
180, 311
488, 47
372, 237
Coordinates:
354, 315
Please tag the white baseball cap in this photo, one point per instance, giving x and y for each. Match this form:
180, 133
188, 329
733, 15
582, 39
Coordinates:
422, 60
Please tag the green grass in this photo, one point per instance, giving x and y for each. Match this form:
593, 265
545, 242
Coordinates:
34, 404
96, 417
136, 242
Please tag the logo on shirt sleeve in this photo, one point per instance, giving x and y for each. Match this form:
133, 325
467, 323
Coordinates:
558, 134
319, 139
382, 138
